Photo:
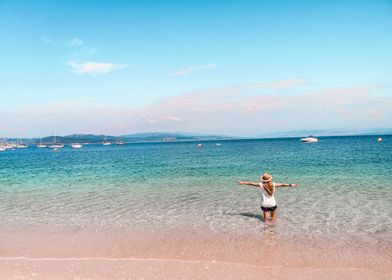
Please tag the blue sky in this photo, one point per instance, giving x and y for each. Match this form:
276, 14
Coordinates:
230, 67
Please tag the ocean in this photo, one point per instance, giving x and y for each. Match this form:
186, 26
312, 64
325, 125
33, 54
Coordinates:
345, 187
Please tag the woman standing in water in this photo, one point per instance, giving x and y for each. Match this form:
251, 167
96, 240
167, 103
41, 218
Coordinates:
268, 203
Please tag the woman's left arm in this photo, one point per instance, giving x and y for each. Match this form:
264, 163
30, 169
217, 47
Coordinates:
285, 185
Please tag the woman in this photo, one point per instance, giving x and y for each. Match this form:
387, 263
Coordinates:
268, 203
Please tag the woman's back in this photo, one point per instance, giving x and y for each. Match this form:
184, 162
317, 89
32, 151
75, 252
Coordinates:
267, 199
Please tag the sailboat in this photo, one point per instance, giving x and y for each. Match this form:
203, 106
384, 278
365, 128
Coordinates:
20, 145
56, 145
119, 142
40, 144
3, 146
106, 142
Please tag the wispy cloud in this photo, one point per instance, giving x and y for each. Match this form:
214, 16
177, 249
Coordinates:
76, 42
47, 40
95, 68
232, 109
191, 69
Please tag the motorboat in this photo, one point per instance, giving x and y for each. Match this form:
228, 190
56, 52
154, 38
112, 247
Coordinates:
309, 139
379, 139
199, 145
76, 145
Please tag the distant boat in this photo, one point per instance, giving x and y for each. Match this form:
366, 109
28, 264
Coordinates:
106, 142
379, 139
199, 145
41, 145
3, 146
218, 144
119, 142
55, 149
76, 145
20, 145
56, 145
309, 139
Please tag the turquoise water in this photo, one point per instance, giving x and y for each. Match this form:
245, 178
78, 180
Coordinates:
345, 186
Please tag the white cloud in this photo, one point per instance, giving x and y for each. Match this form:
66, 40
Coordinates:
173, 118
231, 109
47, 40
95, 68
189, 70
75, 42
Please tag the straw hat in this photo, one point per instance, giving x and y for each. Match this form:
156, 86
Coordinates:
266, 177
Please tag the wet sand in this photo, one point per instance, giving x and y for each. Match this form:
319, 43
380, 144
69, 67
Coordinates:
123, 254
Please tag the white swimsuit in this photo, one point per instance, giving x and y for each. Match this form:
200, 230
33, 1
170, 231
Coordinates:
267, 200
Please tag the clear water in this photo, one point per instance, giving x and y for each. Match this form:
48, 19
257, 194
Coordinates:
345, 186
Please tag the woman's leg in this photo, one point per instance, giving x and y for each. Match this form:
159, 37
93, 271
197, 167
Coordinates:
273, 215
266, 215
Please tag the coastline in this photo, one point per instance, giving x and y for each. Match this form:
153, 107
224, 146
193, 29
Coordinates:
86, 254
168, 269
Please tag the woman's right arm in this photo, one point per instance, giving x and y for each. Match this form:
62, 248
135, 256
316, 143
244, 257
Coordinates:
253, 184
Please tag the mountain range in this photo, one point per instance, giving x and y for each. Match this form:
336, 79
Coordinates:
180, 136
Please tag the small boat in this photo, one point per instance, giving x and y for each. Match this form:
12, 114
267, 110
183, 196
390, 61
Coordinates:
55, 149
21, 146
106, 142
119, 142
76, 145
379, 139
3, 146
309, 139
41, 145
56, 145
199, 145
218, 144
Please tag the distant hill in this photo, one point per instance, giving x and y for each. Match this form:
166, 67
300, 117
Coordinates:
181, 136
137, 137
303, 133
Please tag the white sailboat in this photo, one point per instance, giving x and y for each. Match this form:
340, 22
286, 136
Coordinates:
3, 146
41, 144
56, 145
119, 142
20, 145
106, 142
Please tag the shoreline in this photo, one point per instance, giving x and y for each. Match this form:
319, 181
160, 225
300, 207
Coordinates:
87, 254
134, 268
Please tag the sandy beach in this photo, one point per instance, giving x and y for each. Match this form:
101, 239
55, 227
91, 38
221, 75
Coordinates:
81, 254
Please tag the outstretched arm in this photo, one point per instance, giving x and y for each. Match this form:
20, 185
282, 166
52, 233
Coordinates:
285, 185
253, 184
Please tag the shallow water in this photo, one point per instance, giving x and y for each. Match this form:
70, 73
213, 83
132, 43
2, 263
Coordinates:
345, 187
